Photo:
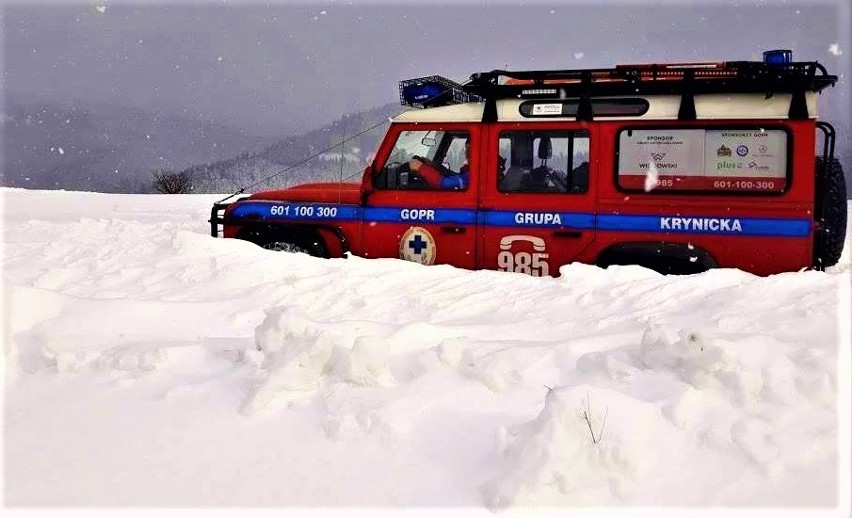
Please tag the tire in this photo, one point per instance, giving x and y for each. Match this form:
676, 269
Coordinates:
664, 258
285, 246
279, 240
832, 214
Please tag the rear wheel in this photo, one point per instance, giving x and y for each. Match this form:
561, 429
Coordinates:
832, 214
665, 258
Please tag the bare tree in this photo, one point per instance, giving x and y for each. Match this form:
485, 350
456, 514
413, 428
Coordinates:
167, 181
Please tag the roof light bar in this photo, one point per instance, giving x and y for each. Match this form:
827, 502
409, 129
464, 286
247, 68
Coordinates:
540, 91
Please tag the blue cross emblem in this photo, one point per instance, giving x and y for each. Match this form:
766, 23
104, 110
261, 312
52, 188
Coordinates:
418, 245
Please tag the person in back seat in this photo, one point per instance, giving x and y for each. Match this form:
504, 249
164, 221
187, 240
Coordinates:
544, 178
580, 178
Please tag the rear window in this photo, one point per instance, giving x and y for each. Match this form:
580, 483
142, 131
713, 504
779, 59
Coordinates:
752, 160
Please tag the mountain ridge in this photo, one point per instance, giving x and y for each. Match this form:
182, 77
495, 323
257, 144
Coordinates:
339, 150
75, 146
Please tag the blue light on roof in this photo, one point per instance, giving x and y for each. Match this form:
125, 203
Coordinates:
778, 57
423, 93
431, 91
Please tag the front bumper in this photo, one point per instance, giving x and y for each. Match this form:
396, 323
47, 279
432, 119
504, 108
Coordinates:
217, 218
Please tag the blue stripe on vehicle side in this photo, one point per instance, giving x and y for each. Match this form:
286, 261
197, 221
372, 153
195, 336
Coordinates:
727, 225
278, 211
501, 218
706, 225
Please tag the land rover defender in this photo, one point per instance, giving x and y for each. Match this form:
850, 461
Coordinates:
677, 167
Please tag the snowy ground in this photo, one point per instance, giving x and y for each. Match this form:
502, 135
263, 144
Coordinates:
147, 364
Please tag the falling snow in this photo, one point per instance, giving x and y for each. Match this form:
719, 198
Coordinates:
834, 49
652, 177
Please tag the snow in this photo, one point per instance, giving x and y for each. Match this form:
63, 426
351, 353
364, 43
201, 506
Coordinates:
652, 177
148, 364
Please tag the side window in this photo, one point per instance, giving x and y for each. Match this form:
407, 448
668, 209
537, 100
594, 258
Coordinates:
505, 157
455, 159
426, 160
751, 160
544, 161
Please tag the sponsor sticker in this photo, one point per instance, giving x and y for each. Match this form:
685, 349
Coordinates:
758, 154
547, 109
699, 159
666, 152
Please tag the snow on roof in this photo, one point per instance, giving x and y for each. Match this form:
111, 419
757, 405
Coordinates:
466, 112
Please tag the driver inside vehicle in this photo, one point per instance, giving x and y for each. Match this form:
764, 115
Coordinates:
439, 177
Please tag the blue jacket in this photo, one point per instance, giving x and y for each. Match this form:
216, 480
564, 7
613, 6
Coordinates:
457, 181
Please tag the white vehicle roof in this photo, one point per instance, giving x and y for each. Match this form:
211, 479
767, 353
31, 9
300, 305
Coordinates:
662, 107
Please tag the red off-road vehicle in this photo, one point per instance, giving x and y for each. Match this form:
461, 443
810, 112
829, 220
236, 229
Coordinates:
677, 167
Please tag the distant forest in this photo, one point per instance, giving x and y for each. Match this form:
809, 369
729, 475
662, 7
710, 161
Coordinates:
338, 151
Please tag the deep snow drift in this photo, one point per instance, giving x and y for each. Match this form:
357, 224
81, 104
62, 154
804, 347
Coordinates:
149, 364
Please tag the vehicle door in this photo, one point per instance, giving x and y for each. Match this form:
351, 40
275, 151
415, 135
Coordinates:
538, 196
404, 216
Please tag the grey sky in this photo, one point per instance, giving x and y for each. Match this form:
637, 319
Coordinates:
279, 68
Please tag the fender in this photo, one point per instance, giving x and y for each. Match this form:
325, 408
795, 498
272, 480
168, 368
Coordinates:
335, 241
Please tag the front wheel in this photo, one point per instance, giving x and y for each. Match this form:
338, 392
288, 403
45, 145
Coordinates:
286, 241
285, 246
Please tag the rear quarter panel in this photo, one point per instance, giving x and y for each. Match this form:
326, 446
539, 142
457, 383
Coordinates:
777, 231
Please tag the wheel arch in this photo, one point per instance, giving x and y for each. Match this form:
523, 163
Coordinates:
666, 258
320, 240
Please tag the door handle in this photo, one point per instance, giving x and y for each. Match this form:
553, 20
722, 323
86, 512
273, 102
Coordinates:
571, 234
451, 229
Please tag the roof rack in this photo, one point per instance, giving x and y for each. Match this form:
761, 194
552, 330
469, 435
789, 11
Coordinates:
656, 79
684, 79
